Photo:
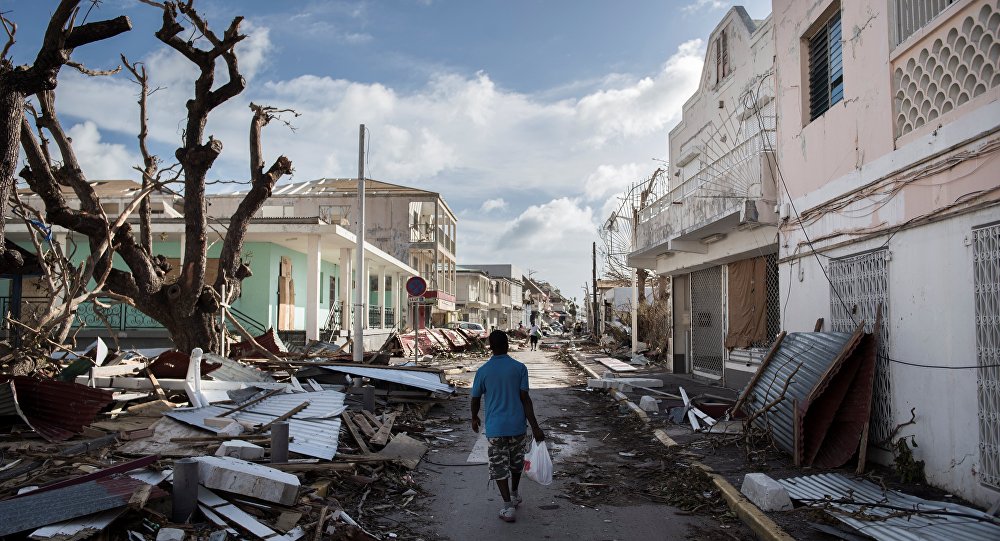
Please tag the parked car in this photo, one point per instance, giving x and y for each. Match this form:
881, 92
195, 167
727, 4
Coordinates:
470, 328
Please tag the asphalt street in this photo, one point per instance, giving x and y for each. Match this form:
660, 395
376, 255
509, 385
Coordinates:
464, 504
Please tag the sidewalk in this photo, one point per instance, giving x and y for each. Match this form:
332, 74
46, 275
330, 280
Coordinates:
676, 436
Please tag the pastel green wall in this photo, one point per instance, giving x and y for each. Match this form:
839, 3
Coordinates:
260, 291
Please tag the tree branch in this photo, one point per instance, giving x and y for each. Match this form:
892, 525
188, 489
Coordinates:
149, 161
261, 185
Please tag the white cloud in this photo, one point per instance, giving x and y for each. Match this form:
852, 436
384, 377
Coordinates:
612, 179
493, 204
252, 51
99, 160
557, 162
699, 5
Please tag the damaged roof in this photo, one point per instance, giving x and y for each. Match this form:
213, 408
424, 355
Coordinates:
426, 380
56, 410
314, 431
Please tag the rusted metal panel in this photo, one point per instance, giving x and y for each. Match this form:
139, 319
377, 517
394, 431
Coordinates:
820, 385
56, 410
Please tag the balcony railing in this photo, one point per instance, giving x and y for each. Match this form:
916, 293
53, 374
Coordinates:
718, 187
390, 317
374, 317
116, 316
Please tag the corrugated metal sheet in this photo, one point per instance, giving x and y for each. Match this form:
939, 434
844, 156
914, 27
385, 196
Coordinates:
886, 524
79, 528
231, 370
456, 340
315, 430
56, 410
67, 503
428, 381
810, 362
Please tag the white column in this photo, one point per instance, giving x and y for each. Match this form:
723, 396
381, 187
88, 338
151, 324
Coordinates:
381, 295
313, 259
397, 303
365, 290
346, 262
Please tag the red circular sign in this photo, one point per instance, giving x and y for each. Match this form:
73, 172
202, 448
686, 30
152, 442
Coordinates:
416, 286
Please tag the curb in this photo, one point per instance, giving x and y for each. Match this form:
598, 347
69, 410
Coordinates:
748, 513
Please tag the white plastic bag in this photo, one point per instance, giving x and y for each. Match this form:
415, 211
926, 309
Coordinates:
538, 464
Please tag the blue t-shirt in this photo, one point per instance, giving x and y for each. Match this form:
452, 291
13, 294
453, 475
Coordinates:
501, 381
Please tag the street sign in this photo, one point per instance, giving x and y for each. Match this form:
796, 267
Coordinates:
416, 286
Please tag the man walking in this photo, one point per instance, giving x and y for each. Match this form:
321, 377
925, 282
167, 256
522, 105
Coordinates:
535, 333
503, 382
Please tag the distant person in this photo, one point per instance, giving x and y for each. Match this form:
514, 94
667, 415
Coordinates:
534, 334
503, 382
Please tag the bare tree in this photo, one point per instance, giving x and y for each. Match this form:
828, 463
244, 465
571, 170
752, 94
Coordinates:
185, 307
17, 83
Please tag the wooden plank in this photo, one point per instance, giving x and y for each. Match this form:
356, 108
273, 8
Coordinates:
271, 393
376, 423
760, 371
363, 424
354, 433
616, 365
156, 385
285, 416
382, 436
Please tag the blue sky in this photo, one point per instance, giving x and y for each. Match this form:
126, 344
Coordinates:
528, 116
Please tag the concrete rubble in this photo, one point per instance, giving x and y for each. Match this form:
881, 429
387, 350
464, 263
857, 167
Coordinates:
765, 492
283, 445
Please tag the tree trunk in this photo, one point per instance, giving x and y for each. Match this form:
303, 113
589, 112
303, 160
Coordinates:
197, 331
11, 113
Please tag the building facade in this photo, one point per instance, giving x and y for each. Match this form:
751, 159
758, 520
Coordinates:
888, 138
507, 312
714, 229
412, 225
302, 271
473, 296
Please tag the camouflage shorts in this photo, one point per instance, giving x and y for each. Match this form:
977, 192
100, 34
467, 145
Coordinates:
506, 456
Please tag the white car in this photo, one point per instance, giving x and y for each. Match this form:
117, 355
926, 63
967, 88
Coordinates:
471, 328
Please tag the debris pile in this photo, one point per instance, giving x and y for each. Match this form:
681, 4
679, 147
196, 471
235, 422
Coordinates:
265, 443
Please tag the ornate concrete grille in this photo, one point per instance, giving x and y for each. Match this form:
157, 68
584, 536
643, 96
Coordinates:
863, 283
986, 260
707, 337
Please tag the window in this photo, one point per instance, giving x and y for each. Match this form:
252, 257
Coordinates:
335, 214
908, 16
826, 71
321, 288
721, 57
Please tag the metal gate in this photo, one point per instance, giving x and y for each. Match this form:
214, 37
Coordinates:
862, 282
986, 263
707, 334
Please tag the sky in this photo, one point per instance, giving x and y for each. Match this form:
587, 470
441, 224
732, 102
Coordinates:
529, 117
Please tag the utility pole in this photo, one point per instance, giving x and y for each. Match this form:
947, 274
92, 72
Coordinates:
636, 285
595, 313
358, 343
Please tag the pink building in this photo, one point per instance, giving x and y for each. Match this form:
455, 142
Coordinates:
889, 182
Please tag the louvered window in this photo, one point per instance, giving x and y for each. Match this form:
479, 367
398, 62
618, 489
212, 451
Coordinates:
826, 70
721, 57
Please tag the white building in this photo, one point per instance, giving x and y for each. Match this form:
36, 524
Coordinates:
888, 139
714, 230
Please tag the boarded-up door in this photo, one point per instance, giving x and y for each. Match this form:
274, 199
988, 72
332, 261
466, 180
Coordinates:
286, 296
